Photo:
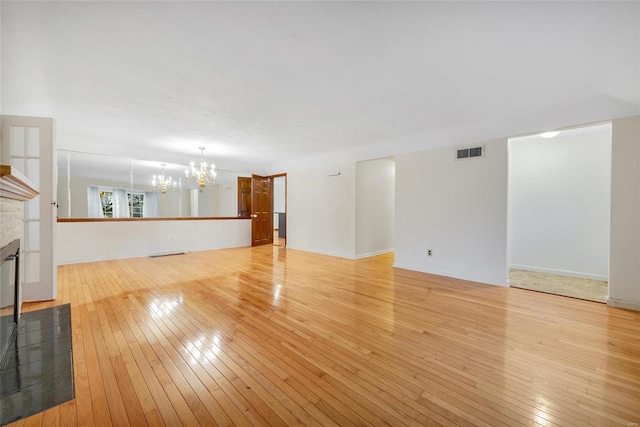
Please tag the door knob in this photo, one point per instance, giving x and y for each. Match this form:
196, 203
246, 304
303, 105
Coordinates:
254, 215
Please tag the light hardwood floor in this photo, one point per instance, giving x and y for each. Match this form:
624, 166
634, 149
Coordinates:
273, 336
278, 241
575, 287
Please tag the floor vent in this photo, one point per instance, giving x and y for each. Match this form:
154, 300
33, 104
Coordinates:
172, 254
467, 153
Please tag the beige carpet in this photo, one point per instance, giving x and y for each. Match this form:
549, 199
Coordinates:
592, 290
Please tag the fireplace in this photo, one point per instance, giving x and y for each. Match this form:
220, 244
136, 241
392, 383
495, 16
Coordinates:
15, 189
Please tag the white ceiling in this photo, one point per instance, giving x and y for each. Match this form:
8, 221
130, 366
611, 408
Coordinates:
272, 86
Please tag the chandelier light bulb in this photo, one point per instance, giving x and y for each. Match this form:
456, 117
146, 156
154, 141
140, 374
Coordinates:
161, 183
201, 175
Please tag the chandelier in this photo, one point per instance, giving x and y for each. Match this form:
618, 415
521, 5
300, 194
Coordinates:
161, 183
201, 176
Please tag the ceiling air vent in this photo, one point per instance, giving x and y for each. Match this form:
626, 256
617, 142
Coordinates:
467, 153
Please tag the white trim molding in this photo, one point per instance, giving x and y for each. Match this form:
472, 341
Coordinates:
559, 272
370, 254
629, 305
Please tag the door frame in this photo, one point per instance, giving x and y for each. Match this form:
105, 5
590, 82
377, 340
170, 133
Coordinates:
286, 217
510, 227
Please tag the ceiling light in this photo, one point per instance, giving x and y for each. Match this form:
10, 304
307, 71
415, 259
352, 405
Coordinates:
161, 183
549, 134
201, 176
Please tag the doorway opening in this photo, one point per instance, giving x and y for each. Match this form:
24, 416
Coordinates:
375, 207
559, 212
280, 210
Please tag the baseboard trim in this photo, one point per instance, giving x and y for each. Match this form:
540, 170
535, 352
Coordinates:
559, 272
342, 255
328, 253
30, 293
370, 254
612, 302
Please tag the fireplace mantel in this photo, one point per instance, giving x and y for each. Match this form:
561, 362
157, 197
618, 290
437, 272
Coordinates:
14, 185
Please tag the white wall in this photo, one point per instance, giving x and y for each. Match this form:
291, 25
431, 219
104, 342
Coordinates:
104, 240
279, 190
456, 208
559, 202
375, 204
624, 267
228, 198
208, 201
169, 203
63, 198
278, 194
321, 210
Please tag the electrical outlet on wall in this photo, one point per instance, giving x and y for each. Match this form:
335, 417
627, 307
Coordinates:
429, 253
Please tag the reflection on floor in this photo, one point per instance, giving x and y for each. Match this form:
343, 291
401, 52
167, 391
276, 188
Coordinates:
592, 290
278, 241
39, 371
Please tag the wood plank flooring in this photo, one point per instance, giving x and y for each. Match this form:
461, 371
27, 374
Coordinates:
274, 336
575, 287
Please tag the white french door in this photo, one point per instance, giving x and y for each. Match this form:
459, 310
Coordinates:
28, 144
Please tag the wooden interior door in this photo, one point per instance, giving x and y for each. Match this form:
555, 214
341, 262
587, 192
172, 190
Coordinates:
261, 210
244, 196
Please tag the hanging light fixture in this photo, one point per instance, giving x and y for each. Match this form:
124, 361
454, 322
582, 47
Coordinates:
202, 176
162, 184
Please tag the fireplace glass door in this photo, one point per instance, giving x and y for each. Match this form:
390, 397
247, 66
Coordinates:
9, 305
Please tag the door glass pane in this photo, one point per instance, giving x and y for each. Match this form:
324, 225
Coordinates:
17, 140
33, 172
32, 267
33, 208
33, 142
33, 240
18, 164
